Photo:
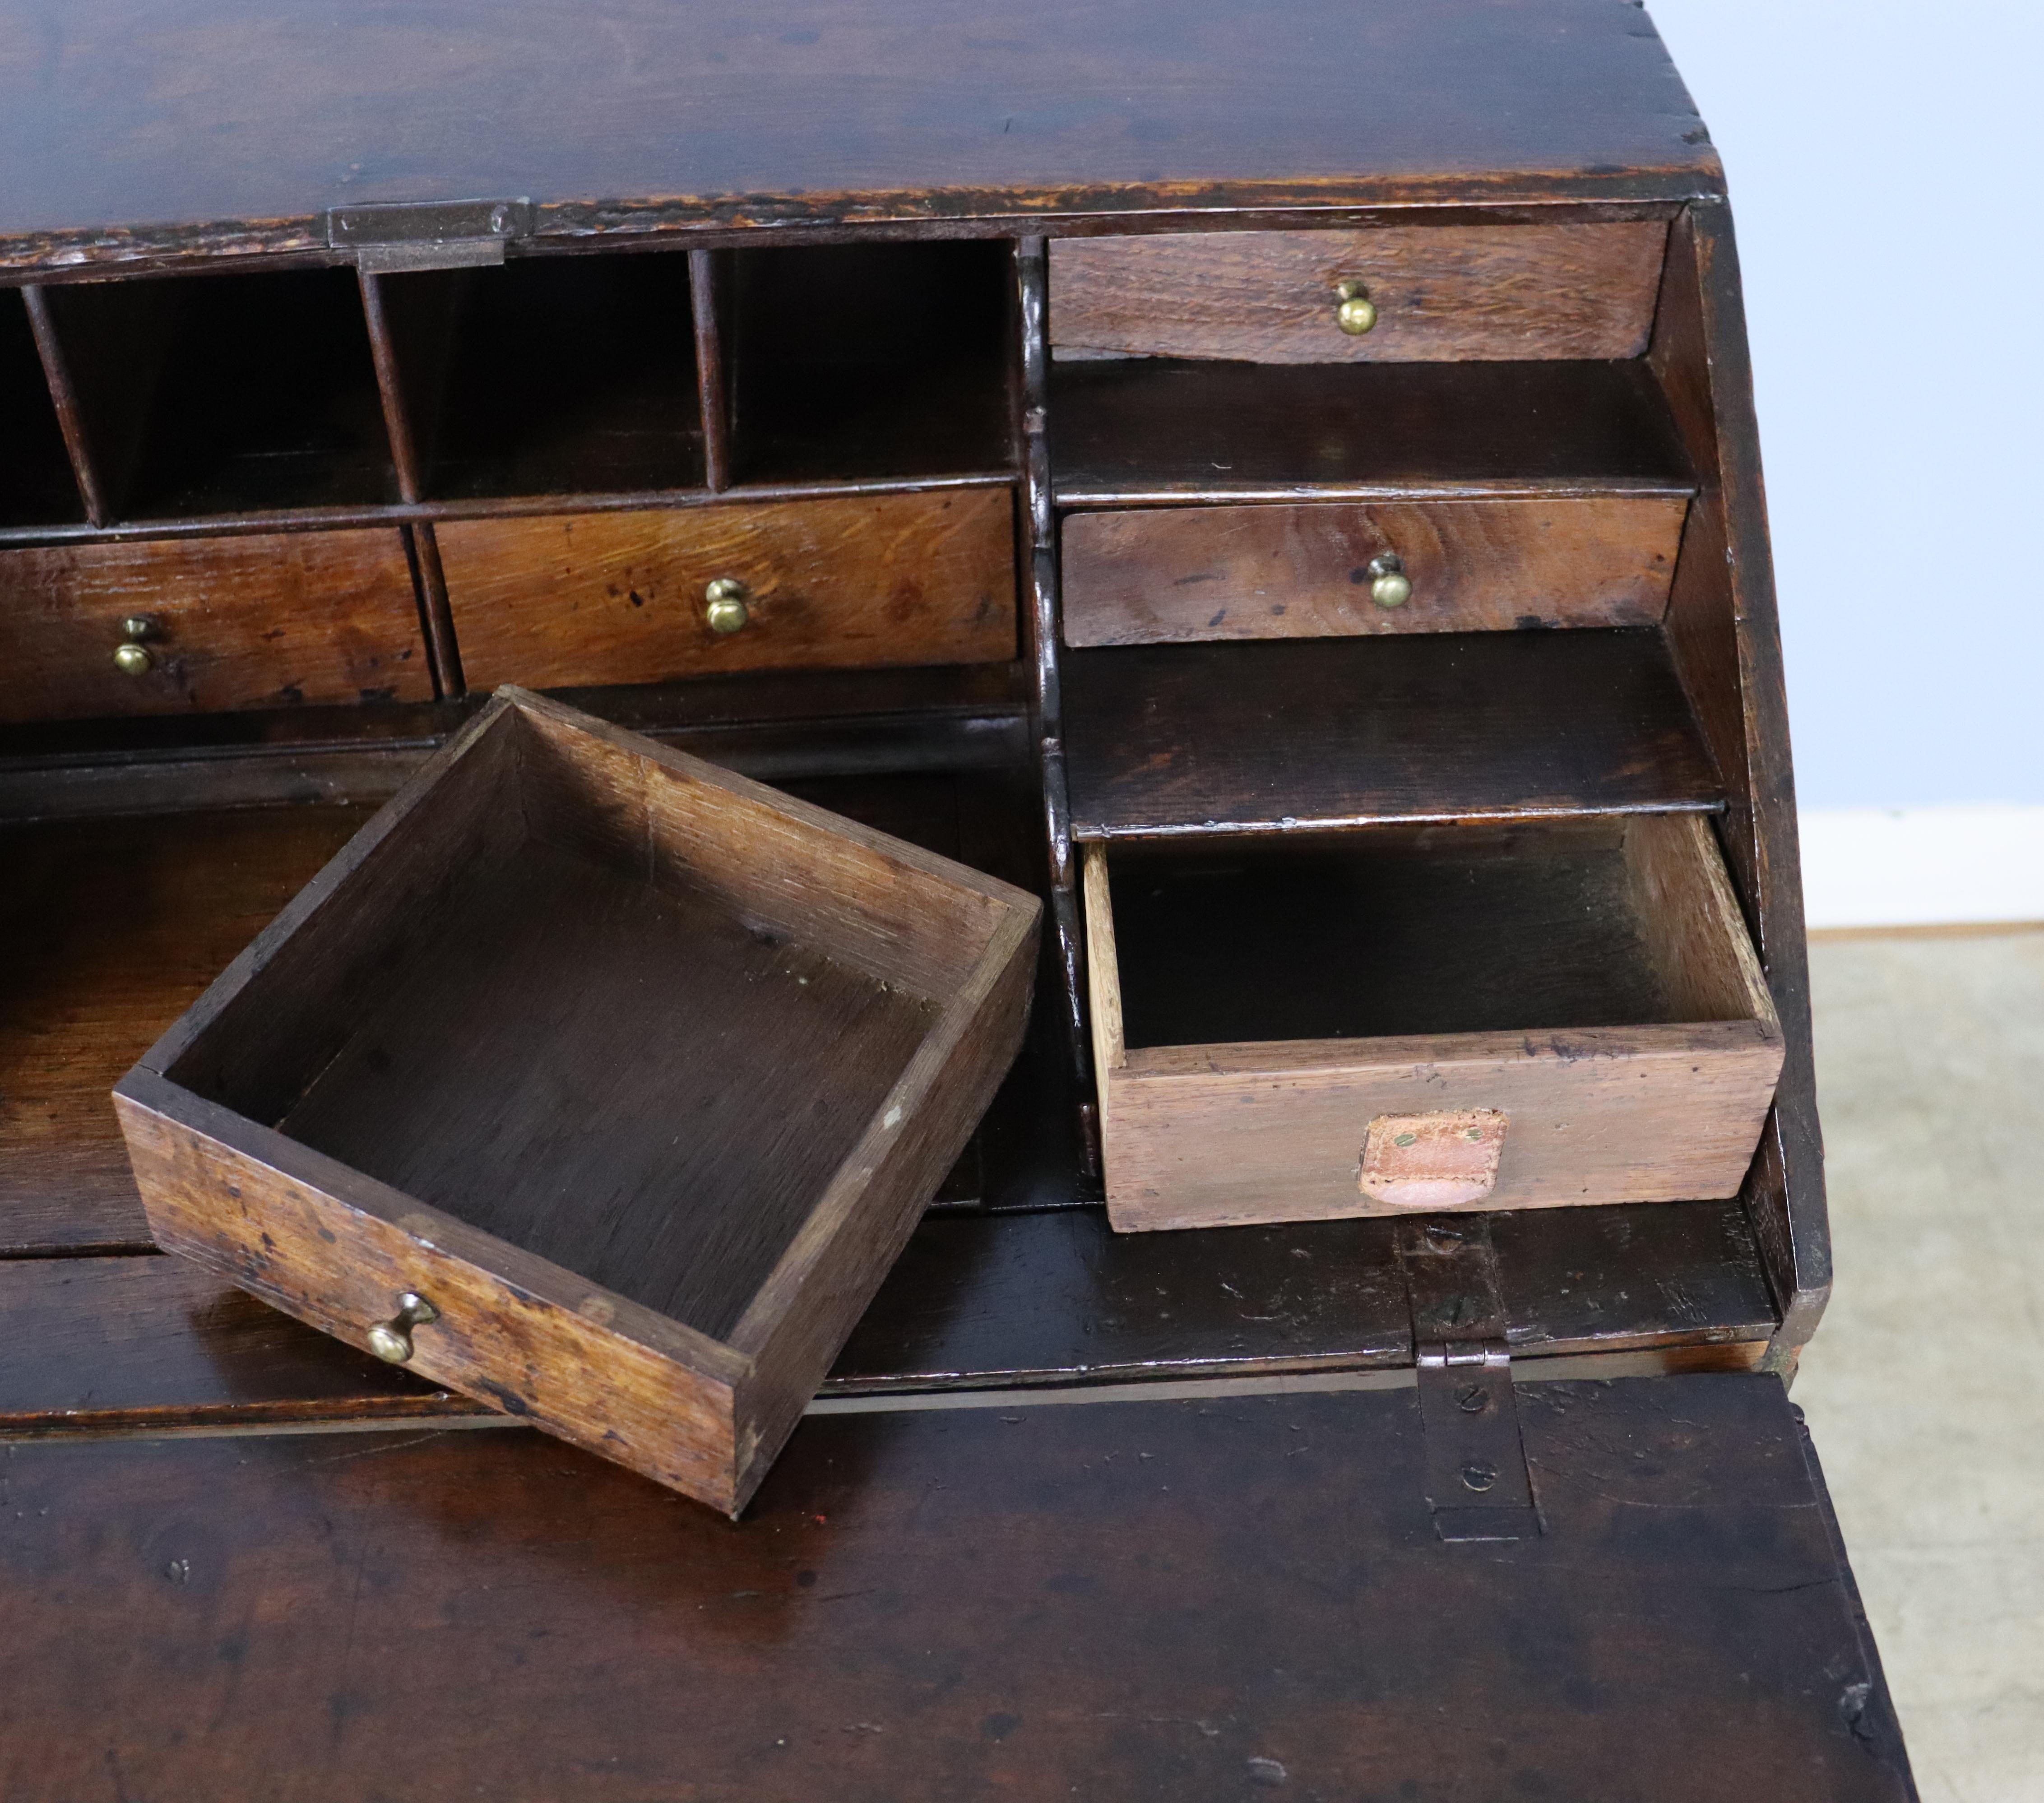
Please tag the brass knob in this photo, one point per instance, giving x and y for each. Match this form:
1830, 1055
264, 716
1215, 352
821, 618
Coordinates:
724, 608
131, 659
1355, 311
391, 1341
1390, 585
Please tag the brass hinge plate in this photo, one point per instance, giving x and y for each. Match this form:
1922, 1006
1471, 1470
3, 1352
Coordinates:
450, 234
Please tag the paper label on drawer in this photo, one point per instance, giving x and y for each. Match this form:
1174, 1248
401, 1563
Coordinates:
1433, 1161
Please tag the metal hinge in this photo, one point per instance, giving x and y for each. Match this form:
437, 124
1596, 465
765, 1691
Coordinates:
438, 234
1478, 1484
1476, 1480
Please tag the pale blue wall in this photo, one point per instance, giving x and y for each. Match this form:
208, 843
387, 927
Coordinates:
1886, 176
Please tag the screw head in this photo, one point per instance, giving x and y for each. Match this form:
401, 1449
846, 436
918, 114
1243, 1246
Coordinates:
1479, 1474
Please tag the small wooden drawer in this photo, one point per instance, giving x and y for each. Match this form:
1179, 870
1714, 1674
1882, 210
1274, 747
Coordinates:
592, 1081
1471, 1016
1161, 576
1441, 294
269, 621
590, 598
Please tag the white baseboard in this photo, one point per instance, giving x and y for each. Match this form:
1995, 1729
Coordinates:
1959, 864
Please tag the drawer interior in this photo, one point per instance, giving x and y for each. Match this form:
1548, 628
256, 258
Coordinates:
640, 1052
549, 374
1397, 932
214, 395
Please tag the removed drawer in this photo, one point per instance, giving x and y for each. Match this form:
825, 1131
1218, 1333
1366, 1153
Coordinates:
1471, 1016
589, 598
1338, 570
208, 625
1420, 294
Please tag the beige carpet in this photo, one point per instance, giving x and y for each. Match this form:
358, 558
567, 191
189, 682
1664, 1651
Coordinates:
1924, 1388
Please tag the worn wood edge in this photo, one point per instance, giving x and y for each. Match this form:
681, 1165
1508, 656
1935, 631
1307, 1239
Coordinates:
444, 510
148, 1094
135, 246
328, 886
1283, 1059
1726, 1357
960, 1065
1079, 497
1103, 832
1110, 1047
1014, 934
759, 796
226, 247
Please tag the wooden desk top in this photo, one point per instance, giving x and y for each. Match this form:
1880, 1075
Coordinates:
126, 129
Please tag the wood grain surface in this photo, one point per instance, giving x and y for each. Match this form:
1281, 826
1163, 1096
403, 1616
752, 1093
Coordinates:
1163, 575
1168, 739
1443, 294
263, 621
619, 598
1139, 1600
455, 1006
1644, 1086
620, 120
115, 929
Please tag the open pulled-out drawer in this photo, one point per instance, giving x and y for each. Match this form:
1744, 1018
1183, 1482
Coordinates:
1424, 1017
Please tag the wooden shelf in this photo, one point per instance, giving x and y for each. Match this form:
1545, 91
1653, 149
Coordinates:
1136, 428
1167, 740
868, 360
226, 394
35, 482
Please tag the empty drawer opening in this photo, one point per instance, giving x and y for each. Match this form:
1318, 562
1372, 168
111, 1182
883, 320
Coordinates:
36, 487
870, 361
215, 395
550, 375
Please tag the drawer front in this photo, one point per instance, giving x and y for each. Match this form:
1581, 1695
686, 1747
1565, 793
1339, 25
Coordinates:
590, 598
273, 620
1442, 293
1172, 574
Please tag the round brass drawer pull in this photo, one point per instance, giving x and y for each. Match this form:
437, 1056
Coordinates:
391, 1341
1390, 585
131, 657
1355, 313
724, 604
